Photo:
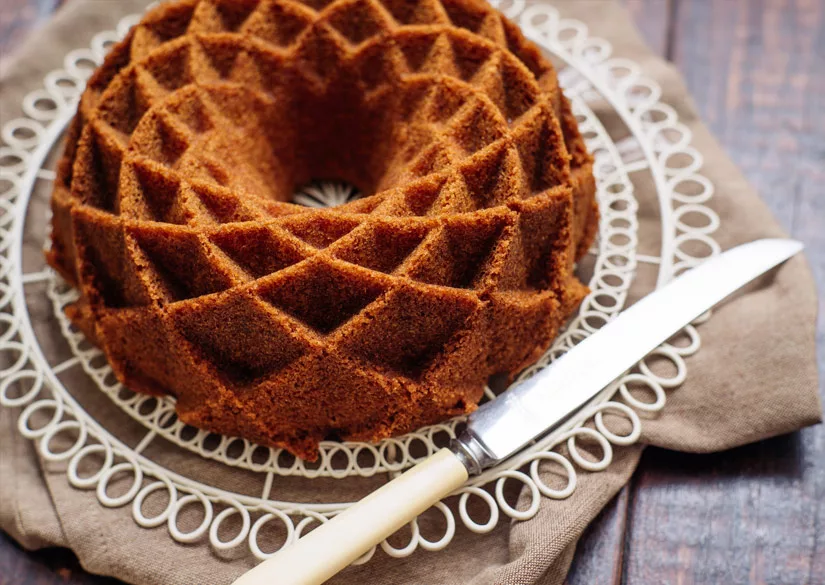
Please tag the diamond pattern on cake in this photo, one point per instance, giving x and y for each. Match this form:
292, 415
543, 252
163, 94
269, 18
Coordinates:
457, 255
403, 334
321, 294
382, 246
161, 198
258, 249
101, 152
181, 261
474, 127
279, 23
254, 341
319, 230
163, 137
423, 12
125, 103
493, 177
287, 324
465, 15
358, 20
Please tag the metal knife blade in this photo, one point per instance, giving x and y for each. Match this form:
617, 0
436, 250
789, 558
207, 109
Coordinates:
500, 428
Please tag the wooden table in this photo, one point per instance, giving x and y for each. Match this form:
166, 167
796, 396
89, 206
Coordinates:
751, 515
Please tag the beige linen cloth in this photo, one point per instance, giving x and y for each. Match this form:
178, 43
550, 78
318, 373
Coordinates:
755, 377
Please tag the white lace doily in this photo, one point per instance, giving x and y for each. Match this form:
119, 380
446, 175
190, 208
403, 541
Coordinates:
653, 146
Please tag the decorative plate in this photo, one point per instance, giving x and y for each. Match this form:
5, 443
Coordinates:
57, 390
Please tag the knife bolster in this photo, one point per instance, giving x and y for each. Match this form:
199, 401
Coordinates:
471, 452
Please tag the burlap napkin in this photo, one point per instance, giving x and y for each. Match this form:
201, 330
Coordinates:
754, 378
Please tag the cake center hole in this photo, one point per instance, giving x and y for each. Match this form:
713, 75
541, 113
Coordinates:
296, 143
325, 194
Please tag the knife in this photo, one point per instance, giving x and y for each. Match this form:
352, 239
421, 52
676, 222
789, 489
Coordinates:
522, 414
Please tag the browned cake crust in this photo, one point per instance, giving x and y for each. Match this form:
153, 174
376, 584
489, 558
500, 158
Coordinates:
284, 324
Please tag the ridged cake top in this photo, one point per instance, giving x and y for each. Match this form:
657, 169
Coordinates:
194, 134
224, 107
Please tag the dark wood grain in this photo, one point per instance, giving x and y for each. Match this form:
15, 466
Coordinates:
47, 567
756, 69
19, 17
600, 552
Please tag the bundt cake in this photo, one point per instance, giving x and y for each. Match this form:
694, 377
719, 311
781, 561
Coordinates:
199, 278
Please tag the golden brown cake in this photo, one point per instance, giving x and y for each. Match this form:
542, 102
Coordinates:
286, 325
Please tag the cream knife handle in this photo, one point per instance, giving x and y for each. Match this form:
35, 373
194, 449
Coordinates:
333, 546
